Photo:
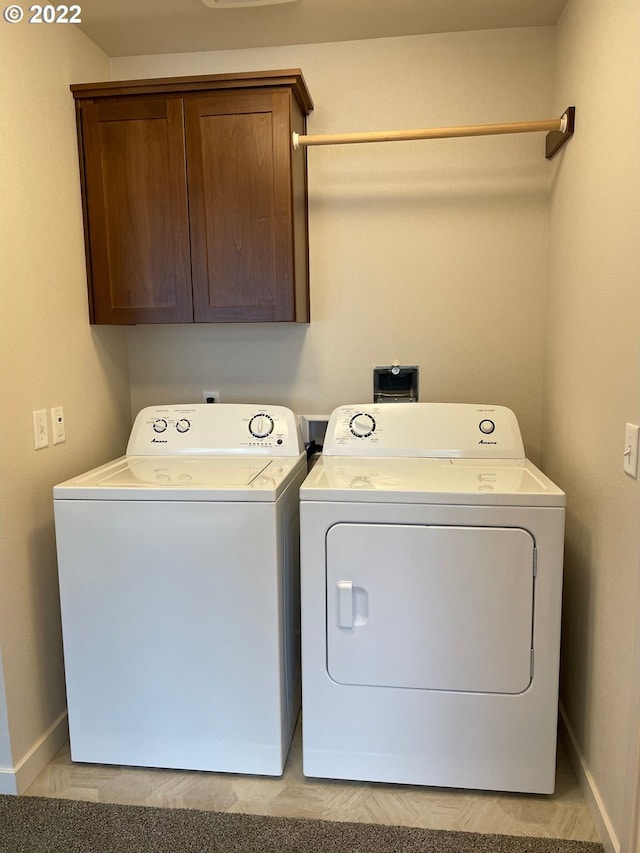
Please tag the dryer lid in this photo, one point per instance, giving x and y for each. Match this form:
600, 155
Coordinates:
430, 481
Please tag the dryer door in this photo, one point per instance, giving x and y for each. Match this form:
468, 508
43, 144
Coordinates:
430, 607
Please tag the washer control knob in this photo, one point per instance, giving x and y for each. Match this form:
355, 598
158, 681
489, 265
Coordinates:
159, 425
486, 426
362, 425
260, 426
183, 425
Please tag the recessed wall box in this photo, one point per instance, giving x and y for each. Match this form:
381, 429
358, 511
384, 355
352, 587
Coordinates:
395, 384
313, 429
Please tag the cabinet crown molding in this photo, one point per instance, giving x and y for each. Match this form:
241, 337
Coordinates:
291, 78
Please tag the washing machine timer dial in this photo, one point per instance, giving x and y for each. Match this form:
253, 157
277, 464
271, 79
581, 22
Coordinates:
261, 426
183, 425
362, 425
486, 426
159, 425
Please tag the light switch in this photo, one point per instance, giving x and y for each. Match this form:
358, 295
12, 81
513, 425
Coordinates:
57, 423
631, 434
40, 429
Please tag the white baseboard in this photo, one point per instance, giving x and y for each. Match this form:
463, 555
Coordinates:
16, 780
7, 781
589, 789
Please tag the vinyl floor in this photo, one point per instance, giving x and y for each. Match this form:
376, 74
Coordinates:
560, 815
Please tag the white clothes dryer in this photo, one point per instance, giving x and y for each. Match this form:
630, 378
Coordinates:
431, 573
179, 588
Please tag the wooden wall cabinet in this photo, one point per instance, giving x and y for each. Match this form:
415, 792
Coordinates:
194, 201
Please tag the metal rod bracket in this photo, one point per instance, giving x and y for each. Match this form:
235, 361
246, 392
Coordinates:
557, 138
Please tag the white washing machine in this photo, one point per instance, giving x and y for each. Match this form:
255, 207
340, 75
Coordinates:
179, 587
431, 572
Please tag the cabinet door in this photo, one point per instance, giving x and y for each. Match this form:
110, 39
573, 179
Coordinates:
136, 210
240, 203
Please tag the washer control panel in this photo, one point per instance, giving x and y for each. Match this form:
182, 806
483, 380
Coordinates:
208, 429
447, 430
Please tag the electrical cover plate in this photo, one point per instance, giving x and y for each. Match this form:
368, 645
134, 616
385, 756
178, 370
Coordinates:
631, 435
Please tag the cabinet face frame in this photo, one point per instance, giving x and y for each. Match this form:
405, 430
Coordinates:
280, 95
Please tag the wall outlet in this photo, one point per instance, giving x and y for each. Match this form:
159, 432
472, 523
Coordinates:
40, 429
210, 396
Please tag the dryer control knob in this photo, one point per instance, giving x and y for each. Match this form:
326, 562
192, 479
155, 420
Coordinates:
260, 426
486, 426
362, 425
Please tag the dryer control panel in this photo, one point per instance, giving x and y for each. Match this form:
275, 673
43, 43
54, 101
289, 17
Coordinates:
445, 430
203, 429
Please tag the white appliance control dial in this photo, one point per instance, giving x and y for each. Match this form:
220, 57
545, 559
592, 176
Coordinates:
487, 426
362, 425
159, 425
183, 425
261, 426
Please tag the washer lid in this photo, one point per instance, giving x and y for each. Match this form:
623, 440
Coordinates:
179, 478
430, 481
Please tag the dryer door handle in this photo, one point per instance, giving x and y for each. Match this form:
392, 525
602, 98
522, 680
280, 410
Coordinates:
345, 604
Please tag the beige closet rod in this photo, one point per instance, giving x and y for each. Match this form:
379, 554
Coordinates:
561, 127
